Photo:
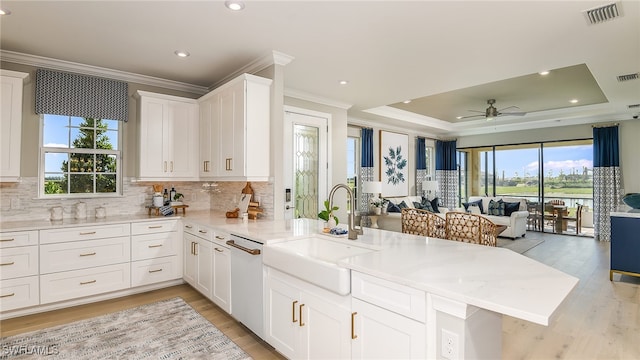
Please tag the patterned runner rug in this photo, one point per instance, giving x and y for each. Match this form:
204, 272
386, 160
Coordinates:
169, 329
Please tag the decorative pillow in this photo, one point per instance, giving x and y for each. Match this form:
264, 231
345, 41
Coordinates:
510, 207
426, 204
434, 205
423, 206
393, 208
496, 208
473, 209
403, 205
477, 203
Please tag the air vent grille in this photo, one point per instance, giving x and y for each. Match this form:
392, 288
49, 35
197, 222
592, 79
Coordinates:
628, 77
602, 13
634, 106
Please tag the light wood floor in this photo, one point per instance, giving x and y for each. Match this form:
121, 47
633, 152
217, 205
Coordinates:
599, 320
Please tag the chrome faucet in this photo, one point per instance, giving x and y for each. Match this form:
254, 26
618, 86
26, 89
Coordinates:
353, 231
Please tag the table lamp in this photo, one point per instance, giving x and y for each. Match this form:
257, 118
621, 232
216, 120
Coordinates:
429, 189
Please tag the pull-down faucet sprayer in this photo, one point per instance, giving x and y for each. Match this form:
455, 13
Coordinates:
353, 231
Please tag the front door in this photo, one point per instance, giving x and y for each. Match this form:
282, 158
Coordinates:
308, 163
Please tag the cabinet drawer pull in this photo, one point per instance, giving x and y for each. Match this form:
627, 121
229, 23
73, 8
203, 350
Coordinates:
8, 295
293, 311
153, 271
218, 250
353, 326
203, 231
88, 254
87, 282
155, 227
88, 233
3, 240
155, 246
9, 263
301, 323
220, 237
188, 226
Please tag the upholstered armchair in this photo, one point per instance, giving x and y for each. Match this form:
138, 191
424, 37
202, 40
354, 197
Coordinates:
470, 228
422, 222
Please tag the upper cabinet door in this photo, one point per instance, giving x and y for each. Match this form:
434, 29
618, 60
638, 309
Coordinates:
240, 130
168, 144
11, 84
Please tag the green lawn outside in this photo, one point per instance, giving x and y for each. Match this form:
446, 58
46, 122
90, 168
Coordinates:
533, 191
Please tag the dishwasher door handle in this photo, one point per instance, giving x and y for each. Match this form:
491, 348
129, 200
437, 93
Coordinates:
250, 251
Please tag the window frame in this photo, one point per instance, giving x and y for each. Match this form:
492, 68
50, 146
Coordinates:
42, 166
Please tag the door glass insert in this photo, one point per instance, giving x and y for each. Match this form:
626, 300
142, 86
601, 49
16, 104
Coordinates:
306, 150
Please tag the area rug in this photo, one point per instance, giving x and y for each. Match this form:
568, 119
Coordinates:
169, 329
520, 245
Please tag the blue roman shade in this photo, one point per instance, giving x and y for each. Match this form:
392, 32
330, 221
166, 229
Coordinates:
63, 93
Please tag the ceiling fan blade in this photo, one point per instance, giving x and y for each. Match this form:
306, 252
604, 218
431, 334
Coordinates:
522, 113
470, 116
478, 111
510, 107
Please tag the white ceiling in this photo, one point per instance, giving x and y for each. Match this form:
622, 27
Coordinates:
389, 51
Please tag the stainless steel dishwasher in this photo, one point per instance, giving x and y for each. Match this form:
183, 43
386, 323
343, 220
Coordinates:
247, 283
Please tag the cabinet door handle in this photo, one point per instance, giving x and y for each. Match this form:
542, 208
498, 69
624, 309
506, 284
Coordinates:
88, 233
8, 295
293, 311
301, 323
88, 254
195, 249
165, 166
353, 326
218, 250
228, 166
87, 282
171, 165
155, 246
206, 166
155, 227
153, 271
3, 240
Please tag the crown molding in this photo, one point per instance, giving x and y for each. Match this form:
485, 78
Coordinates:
297, 94
259, 64
62, 65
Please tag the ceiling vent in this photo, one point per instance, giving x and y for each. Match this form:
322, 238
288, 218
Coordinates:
602, 13
634, 106
628, 77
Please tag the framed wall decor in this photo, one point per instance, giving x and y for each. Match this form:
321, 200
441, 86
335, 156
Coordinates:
394, 163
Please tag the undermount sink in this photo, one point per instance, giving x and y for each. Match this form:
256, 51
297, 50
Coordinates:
314, 259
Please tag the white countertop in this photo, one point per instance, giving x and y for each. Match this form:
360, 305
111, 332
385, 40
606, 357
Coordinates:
495, 279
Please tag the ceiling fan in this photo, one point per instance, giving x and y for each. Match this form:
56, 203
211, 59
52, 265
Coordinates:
491, 112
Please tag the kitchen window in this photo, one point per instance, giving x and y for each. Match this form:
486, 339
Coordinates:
79, 157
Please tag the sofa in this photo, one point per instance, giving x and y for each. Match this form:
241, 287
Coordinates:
515, 218
392, 220
516, 222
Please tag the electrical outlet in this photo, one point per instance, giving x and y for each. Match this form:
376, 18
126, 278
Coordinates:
449, 345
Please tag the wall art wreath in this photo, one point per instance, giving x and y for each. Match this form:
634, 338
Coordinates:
394, 161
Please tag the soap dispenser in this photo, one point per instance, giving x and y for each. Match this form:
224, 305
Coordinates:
172, 194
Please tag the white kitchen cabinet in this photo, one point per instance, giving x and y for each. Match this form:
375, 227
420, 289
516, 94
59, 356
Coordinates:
11, 85
198, 263
304, 321
389, 319
237, 118
167, 137
221, 290
19, 287
155, 252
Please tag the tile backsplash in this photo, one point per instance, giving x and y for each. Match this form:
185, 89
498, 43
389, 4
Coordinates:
19, 202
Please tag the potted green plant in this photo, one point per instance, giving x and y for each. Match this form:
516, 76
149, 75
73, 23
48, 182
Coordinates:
327, 215
376, 204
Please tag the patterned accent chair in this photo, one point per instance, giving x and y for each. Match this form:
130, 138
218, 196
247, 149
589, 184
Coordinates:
422, 222
470, 228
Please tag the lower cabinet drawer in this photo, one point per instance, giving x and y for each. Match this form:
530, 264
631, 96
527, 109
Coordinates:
145, 272
394, 297
18, 262
74, 284
154, 245
84, 254
19, 293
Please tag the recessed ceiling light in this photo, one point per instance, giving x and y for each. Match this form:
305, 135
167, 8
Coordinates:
343, 82
406, 101
5, 12
181, 53
573, 101
543, 73
458, 117
234, 5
